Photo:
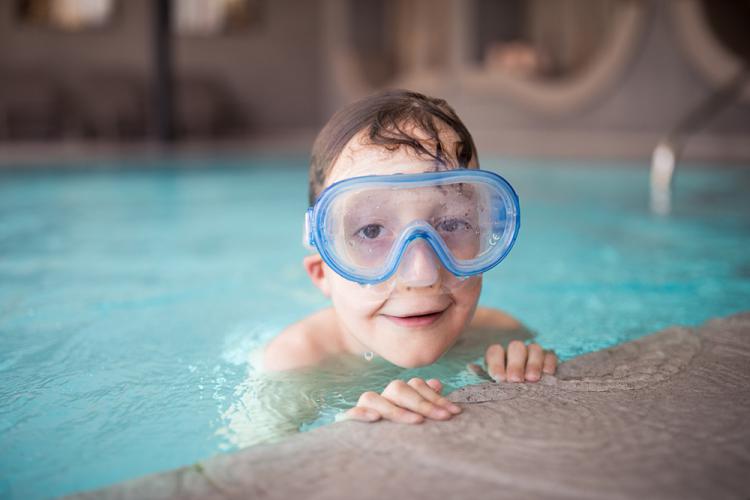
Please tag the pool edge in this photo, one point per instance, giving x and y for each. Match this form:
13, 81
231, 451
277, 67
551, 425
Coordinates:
662, 416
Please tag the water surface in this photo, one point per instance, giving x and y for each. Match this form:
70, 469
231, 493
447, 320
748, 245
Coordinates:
130, 296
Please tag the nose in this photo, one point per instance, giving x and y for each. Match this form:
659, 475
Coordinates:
419, 266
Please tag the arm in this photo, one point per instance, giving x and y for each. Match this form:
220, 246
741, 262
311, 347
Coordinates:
255, 415
266, 408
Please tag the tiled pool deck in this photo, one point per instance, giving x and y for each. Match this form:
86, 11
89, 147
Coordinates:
667, 416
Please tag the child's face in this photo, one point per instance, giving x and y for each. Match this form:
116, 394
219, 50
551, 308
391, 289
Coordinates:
407, 325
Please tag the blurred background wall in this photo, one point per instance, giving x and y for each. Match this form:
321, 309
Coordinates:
564, 78
260, 77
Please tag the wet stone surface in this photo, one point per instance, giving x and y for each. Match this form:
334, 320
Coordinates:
666, 416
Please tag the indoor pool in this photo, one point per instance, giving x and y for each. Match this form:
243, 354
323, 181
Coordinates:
131, 295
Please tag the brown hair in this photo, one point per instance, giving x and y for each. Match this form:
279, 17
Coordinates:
391, 118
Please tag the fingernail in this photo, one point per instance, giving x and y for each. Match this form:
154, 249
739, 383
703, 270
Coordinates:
454, 408
440, 413
341, 417
497, 378
532, 376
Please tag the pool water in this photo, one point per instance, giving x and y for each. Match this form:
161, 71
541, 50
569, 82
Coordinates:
130, 296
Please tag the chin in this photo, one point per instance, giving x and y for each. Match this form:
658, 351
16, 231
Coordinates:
424, 358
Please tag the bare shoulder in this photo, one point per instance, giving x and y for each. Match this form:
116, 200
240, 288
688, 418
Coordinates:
495, 319
302, 344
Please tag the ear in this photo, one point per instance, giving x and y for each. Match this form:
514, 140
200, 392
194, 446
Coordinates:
317, 272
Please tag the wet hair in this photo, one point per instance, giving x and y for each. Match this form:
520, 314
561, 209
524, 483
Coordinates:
391, 118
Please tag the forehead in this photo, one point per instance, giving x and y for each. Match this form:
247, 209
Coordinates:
400, 197
359, 158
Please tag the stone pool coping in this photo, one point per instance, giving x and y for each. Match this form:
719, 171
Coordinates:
665, 416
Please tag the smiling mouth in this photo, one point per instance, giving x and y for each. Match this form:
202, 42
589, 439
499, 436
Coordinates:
416, 320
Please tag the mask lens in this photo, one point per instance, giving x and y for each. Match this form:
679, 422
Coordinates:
365, 228
456, 217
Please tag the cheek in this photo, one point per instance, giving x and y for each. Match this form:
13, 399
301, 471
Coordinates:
353, 301
467, 296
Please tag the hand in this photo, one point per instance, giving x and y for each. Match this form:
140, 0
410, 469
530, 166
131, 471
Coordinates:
406, 402
523, 362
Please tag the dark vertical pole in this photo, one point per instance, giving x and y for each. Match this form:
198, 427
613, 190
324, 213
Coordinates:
163, 80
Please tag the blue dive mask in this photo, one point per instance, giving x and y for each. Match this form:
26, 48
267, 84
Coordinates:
368, 228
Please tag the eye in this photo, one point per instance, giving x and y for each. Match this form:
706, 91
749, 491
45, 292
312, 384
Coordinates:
452, 225
370, 231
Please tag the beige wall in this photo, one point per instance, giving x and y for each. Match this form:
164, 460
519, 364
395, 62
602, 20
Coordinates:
271, 71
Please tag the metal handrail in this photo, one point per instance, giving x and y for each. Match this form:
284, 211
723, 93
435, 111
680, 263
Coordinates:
667, 151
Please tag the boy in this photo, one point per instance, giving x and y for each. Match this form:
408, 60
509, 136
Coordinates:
401, 256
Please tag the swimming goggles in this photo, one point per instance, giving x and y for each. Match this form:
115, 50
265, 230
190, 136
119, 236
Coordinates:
363, 227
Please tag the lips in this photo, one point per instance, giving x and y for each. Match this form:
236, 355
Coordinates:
416, 320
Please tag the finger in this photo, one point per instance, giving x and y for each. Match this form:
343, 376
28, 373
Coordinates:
495, 359
388, 410
550, 363
430, 395
534, 363
405, 396
360, 414
516, 361
435, 385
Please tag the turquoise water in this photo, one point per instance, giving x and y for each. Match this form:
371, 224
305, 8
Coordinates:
131, 295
